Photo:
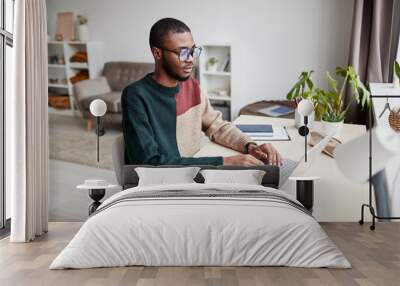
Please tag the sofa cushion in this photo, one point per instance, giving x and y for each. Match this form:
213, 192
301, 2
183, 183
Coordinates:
121, 74
112, 100
88, 88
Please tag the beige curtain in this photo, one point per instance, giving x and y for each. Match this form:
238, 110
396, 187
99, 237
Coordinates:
373, 45
27, 124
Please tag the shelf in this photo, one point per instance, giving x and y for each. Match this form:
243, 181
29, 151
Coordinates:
217, 73
56, 66
220, 98
78, 66
67, 42
58, 85
383, 90
55, 42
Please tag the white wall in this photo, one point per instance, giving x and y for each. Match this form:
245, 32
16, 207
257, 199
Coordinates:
272, 40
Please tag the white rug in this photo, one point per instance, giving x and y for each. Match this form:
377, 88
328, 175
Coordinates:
70, 142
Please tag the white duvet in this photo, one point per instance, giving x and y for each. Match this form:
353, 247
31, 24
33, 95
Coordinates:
183, 231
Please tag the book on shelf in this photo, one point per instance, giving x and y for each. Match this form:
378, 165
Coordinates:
224, 67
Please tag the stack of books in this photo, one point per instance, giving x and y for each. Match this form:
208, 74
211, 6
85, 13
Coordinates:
264, 132
256, 130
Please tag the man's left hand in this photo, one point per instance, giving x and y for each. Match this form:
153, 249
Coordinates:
266, 152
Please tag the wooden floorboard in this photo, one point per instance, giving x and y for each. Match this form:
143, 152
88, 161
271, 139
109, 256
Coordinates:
374, 255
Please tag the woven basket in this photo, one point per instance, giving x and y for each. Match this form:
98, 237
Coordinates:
59, 101
394, 119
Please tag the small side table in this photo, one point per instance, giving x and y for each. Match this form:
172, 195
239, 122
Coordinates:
96, 192
305, 190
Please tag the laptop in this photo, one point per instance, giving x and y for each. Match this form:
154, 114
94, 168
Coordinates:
299, 168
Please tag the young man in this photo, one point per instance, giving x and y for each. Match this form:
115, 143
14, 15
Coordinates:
165, 113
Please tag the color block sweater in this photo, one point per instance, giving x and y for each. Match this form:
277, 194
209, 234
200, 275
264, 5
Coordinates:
163, 125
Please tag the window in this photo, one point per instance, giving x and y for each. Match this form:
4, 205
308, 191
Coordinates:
6, 44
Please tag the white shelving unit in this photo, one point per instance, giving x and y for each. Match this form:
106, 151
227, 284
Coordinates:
217, 84
64, 71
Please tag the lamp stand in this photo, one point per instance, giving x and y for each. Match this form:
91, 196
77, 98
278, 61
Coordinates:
98, 137
99, 127
305, 138
369, 205
305, 193
303, 131
96, 195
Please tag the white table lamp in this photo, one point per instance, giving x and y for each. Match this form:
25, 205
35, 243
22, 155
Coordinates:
96, 187
305, 109
98, 108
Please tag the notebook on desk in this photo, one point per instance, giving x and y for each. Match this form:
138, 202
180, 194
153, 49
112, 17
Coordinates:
264, 132
255, 128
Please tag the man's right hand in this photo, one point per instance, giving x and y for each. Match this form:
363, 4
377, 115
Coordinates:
242, 160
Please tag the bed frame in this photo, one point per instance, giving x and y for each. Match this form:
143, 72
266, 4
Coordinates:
128, 178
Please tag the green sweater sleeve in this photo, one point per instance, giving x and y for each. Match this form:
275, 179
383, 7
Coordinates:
141, 146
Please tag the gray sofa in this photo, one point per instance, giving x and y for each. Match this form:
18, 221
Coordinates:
128, 178
108, 87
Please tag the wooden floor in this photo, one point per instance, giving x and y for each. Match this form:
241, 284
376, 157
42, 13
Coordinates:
375, 257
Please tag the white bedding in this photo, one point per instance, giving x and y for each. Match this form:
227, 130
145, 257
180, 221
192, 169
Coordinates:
182, 231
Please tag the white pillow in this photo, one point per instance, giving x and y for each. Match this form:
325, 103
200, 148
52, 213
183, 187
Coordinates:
248, 177
164, 176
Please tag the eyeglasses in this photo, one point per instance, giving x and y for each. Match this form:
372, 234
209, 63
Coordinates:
185, 53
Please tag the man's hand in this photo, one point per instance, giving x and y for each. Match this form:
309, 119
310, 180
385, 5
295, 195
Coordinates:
242, 160
266, 152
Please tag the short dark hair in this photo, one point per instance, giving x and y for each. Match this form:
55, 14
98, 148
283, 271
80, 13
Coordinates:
163, 27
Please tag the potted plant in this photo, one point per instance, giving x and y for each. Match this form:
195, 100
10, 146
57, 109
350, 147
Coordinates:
334, 108
304, 88
212, 64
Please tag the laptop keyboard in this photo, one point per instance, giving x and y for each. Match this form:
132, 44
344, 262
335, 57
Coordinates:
286, 170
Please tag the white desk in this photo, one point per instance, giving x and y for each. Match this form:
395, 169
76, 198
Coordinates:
335, 197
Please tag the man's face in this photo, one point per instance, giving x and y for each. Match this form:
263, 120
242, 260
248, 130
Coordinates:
177, 68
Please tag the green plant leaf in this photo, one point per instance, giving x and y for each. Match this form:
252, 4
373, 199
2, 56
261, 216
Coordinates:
365, 95
341, 71
331, 82
354, 87
290, 95
310, 84
299, 88
397, 69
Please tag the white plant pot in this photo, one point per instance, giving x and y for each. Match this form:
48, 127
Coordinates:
299, 120
84, 33
331, 128
212, 68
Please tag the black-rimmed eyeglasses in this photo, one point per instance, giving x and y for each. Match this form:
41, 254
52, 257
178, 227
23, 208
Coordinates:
185, 53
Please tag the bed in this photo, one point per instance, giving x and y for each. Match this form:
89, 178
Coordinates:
201, 224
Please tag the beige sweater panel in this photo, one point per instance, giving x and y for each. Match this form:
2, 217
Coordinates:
203, 117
